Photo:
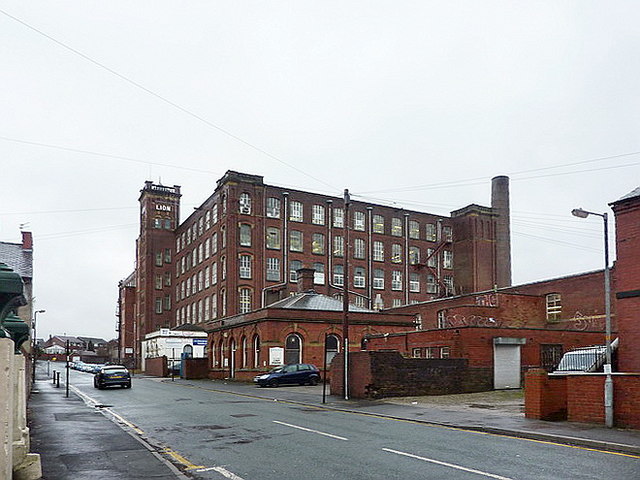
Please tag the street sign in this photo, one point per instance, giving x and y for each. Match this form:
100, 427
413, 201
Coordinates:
200, 341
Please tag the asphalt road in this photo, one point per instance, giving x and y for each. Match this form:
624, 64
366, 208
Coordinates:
216, 435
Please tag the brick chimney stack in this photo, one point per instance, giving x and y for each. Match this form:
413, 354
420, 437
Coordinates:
27, 241
305, 280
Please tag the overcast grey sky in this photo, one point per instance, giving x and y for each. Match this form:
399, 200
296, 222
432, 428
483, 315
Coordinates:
417, 103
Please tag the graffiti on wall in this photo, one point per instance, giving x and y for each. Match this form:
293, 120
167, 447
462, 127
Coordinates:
459, 320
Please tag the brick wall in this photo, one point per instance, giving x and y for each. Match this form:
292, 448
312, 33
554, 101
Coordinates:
195, 368
156, 366
545, 397
388, 374
580, 398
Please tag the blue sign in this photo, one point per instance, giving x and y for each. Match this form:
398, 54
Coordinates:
200, 341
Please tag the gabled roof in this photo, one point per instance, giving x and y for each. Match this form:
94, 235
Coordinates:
93, 340
314, 301
18, 258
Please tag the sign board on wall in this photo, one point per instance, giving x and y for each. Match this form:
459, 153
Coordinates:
128, 350
276, 356
199, 341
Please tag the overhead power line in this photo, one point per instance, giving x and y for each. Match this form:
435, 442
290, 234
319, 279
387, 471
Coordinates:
165, 100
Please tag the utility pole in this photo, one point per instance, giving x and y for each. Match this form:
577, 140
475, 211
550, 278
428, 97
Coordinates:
345, 296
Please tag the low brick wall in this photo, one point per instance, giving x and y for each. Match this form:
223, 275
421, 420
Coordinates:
194, 368
545, 397
581, 398
156, 366
389, 374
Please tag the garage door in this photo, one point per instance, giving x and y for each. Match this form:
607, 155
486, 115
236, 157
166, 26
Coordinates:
506, 366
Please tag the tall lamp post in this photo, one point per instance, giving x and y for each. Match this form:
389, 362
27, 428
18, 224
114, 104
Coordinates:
34, 345
608, 383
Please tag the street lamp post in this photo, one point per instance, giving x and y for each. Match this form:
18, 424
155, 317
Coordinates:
34, 345
608, 383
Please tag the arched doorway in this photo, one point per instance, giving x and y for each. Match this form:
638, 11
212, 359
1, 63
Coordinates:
293, 349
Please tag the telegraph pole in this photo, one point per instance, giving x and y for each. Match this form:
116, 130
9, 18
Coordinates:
345, 296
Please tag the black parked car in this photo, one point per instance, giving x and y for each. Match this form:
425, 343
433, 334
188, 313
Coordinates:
297, 373
112, 375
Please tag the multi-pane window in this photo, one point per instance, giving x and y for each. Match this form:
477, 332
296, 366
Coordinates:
317, 244
396, 280
167, 255
430, 231
214, 214
432, 259
318, 275
214, 273
207, 277
338, 246
167, 279
359, 301
158, 259
214, 244
378, 251
295, 241
447, 259
358, 221
448, 285
294, 266
273, 207
338, 275
158, 305
245, 266
414, 229
414, 255
207, 248
178, 244
295, 211
273, 269
200, 226
359, 277
245, 203
207, 220
200, 281
245, 300
245, 235
223, 236
358, 248
273, 238
378, 279
223, 267
183, 292
442, 319
396, 253
317, 215
223, 302
414, 282
445, 352
396, 227
200, 253
207, 308
378, 224
158, 282
396, 303
554, 306
214, 306
338, 217
447, 233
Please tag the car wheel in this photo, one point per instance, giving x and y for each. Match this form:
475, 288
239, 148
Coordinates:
313, 381
128, 385
274, 383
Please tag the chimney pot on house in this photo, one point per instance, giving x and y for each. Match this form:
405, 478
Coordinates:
27, 241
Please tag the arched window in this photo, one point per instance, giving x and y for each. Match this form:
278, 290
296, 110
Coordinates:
333, 347
256, 351
293, 349
188, 351
244, 352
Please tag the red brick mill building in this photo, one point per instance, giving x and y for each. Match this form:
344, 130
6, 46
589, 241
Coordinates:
241, 249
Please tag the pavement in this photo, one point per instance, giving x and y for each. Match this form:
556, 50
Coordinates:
77, 441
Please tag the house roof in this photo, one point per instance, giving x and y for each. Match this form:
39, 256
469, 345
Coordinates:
314, 301
633, 194
189, 327
93, 340
17, 258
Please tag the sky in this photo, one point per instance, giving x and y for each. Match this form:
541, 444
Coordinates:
410, 103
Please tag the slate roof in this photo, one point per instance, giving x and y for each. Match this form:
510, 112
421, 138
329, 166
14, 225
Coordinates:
633, 194
19, 259
314, 301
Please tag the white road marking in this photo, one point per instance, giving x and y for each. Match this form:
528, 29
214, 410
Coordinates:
310, 430
222, 471
450, 465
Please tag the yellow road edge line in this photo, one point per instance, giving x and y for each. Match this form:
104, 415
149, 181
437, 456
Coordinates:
415, 422
180, 459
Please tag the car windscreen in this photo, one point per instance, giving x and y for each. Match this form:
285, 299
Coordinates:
119, 371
